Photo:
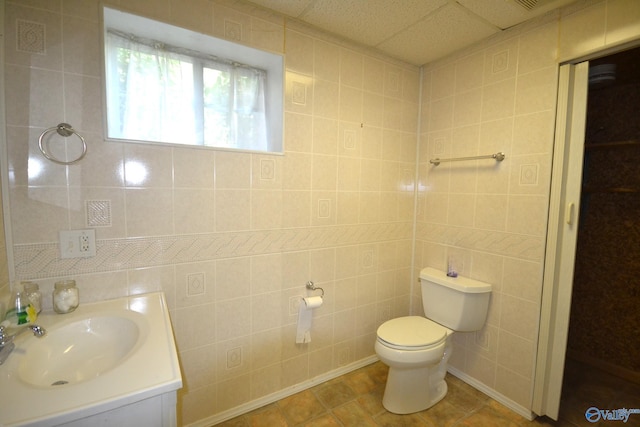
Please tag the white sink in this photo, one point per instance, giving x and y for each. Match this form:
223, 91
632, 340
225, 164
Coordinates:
80, 351
100, 357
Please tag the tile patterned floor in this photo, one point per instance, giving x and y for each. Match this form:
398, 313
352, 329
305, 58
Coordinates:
355, 399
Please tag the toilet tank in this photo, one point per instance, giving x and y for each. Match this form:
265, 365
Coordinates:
459, 303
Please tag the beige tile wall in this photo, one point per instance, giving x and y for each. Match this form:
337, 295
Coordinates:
231, 238
501, 96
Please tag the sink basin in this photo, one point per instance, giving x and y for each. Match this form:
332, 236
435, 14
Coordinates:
102, 358
79, 351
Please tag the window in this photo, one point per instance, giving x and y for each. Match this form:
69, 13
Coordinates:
160, 89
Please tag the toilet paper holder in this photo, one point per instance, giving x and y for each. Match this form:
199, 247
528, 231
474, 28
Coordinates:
313, 287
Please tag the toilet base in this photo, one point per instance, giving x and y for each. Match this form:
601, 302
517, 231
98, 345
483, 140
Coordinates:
414, 387
413, 390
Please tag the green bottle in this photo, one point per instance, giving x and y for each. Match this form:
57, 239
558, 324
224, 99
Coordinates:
21, 312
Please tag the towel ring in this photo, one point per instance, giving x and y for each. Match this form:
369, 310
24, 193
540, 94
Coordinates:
63, 129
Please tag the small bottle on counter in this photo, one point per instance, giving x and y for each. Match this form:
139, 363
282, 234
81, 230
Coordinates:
22, 312
32, 292
65, 296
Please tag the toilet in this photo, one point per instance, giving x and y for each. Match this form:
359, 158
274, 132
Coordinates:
417, 348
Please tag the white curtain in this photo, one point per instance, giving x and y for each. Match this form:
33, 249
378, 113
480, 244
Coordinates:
157, 94
249, 124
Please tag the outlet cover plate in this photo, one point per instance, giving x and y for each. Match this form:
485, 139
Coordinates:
77, 243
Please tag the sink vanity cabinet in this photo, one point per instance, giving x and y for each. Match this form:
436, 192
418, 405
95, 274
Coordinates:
157, 411
107, 363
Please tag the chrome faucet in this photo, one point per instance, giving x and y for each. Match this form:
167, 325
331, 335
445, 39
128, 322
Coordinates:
6, 340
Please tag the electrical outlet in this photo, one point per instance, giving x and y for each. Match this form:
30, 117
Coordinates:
84, 243
77, 243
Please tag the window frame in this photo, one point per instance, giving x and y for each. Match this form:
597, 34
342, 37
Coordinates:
226, 50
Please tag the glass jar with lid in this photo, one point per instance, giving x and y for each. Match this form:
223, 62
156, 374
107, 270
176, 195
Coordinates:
66, 297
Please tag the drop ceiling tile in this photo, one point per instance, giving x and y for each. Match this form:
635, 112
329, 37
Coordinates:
287, 7
450, 29
368, 21
501, 13
507, 13
414, 31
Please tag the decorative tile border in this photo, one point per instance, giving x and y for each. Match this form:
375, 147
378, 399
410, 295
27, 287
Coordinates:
37, 261
496, 242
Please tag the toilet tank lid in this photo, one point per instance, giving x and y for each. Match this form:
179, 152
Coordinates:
460, 283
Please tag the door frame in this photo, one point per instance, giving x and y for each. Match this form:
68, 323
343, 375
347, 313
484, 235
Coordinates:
562, 234
559, 260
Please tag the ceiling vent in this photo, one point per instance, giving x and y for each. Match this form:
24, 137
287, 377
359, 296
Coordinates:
541, 4
527, 4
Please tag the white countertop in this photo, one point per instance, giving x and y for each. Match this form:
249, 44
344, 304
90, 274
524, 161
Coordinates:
149, 370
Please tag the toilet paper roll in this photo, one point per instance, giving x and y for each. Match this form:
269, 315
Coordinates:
305, 314
312, 302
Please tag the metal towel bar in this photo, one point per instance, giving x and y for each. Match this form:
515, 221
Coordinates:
497, 156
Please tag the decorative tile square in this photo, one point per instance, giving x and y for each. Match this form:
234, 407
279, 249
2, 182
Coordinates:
234, 357
438, 145
30, 37
299, 93
324, 208
232, 30
267, 169
349, 139
393, 82
195, 284
367, 259
500, 62
529, 174
98, 213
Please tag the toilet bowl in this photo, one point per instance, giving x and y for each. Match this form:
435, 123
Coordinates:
417, 349
413, 347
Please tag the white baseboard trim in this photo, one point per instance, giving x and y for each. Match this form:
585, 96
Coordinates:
274, 397
515, 407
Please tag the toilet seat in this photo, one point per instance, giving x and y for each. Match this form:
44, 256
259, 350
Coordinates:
411, 333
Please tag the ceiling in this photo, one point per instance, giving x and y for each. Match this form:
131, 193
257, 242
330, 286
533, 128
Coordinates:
414, 31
